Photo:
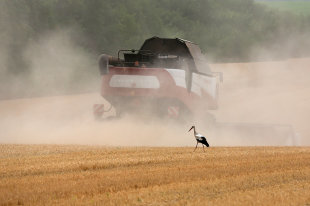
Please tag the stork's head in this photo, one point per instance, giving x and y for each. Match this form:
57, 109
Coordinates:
193, 127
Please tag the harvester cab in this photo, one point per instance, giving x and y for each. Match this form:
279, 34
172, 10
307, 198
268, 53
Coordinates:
170, 78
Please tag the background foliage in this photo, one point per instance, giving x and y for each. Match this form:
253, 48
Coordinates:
225, 29
301, 7
230, 30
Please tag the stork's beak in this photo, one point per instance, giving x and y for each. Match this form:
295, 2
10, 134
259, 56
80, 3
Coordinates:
190, 129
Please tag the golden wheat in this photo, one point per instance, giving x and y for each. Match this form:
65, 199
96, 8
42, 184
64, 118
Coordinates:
89, 175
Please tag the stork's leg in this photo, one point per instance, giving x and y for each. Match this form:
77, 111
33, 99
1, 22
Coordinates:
203, 147
196, 147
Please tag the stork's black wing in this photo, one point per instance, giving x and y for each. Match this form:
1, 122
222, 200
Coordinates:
204, 141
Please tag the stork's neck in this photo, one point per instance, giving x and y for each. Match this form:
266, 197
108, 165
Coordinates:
195, 131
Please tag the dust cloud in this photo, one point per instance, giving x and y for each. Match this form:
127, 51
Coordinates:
58, 70
263, 93
272, 93
69, 120
53, 65
58, 65
275, 93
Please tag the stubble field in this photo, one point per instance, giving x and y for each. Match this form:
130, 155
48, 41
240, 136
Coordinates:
93, 175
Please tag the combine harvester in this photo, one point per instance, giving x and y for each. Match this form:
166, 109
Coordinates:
170, 78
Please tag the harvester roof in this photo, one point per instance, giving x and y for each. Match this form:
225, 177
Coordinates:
178, 47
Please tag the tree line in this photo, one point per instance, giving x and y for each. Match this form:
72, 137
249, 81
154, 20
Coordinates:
227, 30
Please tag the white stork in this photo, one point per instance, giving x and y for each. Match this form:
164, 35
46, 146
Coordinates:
199, 138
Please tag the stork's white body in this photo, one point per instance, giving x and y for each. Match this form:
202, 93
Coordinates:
198, 136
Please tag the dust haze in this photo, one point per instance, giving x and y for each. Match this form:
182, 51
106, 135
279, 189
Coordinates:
267, 92
263, 92
56, 66
62, 76
69, 120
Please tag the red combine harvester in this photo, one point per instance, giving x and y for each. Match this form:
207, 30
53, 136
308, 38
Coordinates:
166, 77
171, 78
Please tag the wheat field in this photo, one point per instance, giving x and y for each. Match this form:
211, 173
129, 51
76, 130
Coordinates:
94, 175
